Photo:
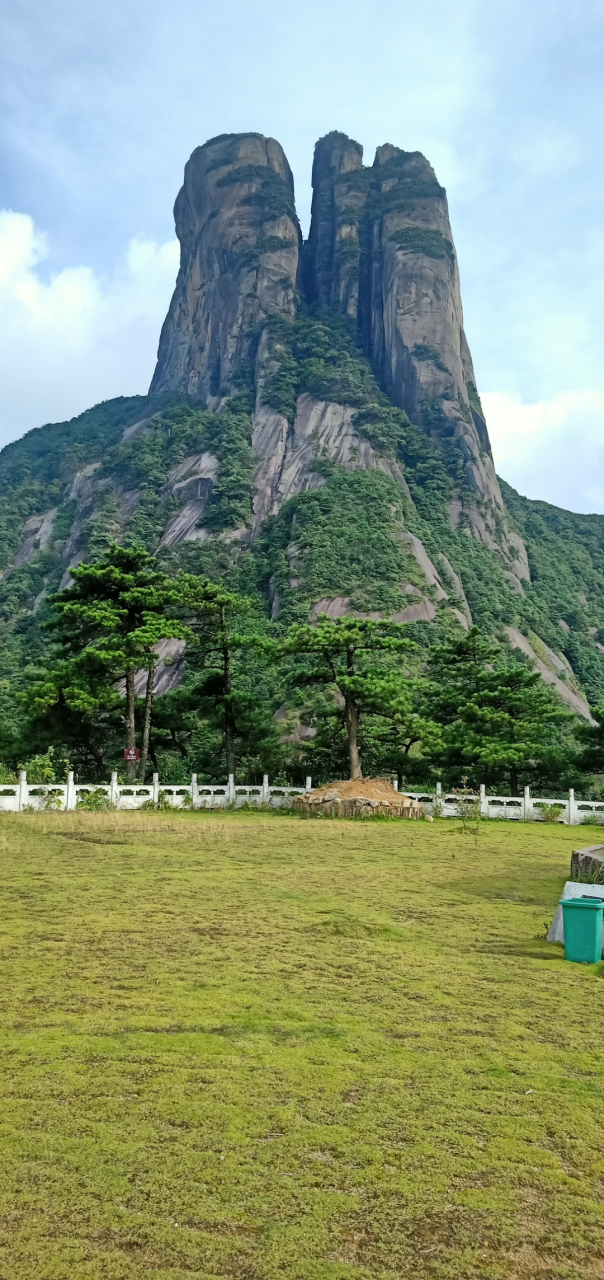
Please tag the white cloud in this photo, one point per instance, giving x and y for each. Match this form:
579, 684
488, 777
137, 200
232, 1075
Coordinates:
74, 338
552, 449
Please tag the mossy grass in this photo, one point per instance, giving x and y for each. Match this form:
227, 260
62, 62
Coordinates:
240, 1047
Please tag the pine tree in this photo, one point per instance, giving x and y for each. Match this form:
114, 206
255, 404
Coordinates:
498, 718
343, 654
107, 625
228, 666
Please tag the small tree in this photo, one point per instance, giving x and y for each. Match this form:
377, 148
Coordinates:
344, 654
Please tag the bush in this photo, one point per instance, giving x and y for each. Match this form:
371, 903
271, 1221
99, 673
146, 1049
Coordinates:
551, 812
96, 801
160, 805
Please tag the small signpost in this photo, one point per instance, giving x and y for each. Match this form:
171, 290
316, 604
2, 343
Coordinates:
131, 753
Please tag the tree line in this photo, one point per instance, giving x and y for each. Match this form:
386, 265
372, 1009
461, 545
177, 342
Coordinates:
342, 697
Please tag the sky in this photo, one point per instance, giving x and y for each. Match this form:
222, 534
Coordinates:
102, 103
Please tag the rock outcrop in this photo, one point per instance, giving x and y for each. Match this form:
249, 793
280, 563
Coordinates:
545, 662
239, 237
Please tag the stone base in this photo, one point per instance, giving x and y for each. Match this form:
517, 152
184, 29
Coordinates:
588, 862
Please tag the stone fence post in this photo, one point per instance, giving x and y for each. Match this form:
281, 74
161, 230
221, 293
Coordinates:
309, 784
155, 788
194, 792
70, 792
484, 808
230, 791
572, 808
527, 806
114, 794
23, 791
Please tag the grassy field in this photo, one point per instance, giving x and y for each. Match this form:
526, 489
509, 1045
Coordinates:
261, 1048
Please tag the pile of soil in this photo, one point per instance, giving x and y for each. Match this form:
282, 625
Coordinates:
363, 798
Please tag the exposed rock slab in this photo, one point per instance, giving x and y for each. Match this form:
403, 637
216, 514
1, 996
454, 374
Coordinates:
458, 586
289, 453
572, 698
186, 526
423, 610
35, 536
169, 669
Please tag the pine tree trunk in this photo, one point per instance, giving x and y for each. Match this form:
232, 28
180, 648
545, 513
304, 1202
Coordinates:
352, 729
513, 780
229, 719
130, 722
147, 724
352, 722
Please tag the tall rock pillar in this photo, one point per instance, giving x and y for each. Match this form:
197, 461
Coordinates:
414, 314
332, 252
380, 251
239, 239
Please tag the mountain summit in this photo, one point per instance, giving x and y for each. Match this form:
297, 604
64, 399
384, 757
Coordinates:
313, 433
380, 253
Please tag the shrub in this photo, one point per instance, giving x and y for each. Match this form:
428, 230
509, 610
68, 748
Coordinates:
160, 805
96, 801
551, 812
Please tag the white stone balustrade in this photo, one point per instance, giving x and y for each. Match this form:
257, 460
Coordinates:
21, 796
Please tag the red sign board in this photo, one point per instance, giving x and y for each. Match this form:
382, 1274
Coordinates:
131, 753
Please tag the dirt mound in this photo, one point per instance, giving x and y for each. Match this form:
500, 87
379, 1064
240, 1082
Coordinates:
362, 798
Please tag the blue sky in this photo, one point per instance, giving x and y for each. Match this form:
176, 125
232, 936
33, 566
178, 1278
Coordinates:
102, 103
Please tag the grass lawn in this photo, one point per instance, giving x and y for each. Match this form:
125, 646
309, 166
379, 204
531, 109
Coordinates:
255, 1047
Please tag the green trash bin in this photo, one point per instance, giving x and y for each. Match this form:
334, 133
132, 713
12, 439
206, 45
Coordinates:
583, 929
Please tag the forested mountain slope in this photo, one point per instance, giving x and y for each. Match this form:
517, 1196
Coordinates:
313, 433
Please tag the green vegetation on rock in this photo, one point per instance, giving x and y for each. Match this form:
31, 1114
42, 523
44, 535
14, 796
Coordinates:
423, 240
274, 196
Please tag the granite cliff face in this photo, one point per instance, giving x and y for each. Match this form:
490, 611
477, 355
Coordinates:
239, 236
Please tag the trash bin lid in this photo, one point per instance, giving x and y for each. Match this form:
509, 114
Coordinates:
592, 897
591, 904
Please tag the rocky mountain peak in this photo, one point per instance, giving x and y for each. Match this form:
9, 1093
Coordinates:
380, 254
239, 236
